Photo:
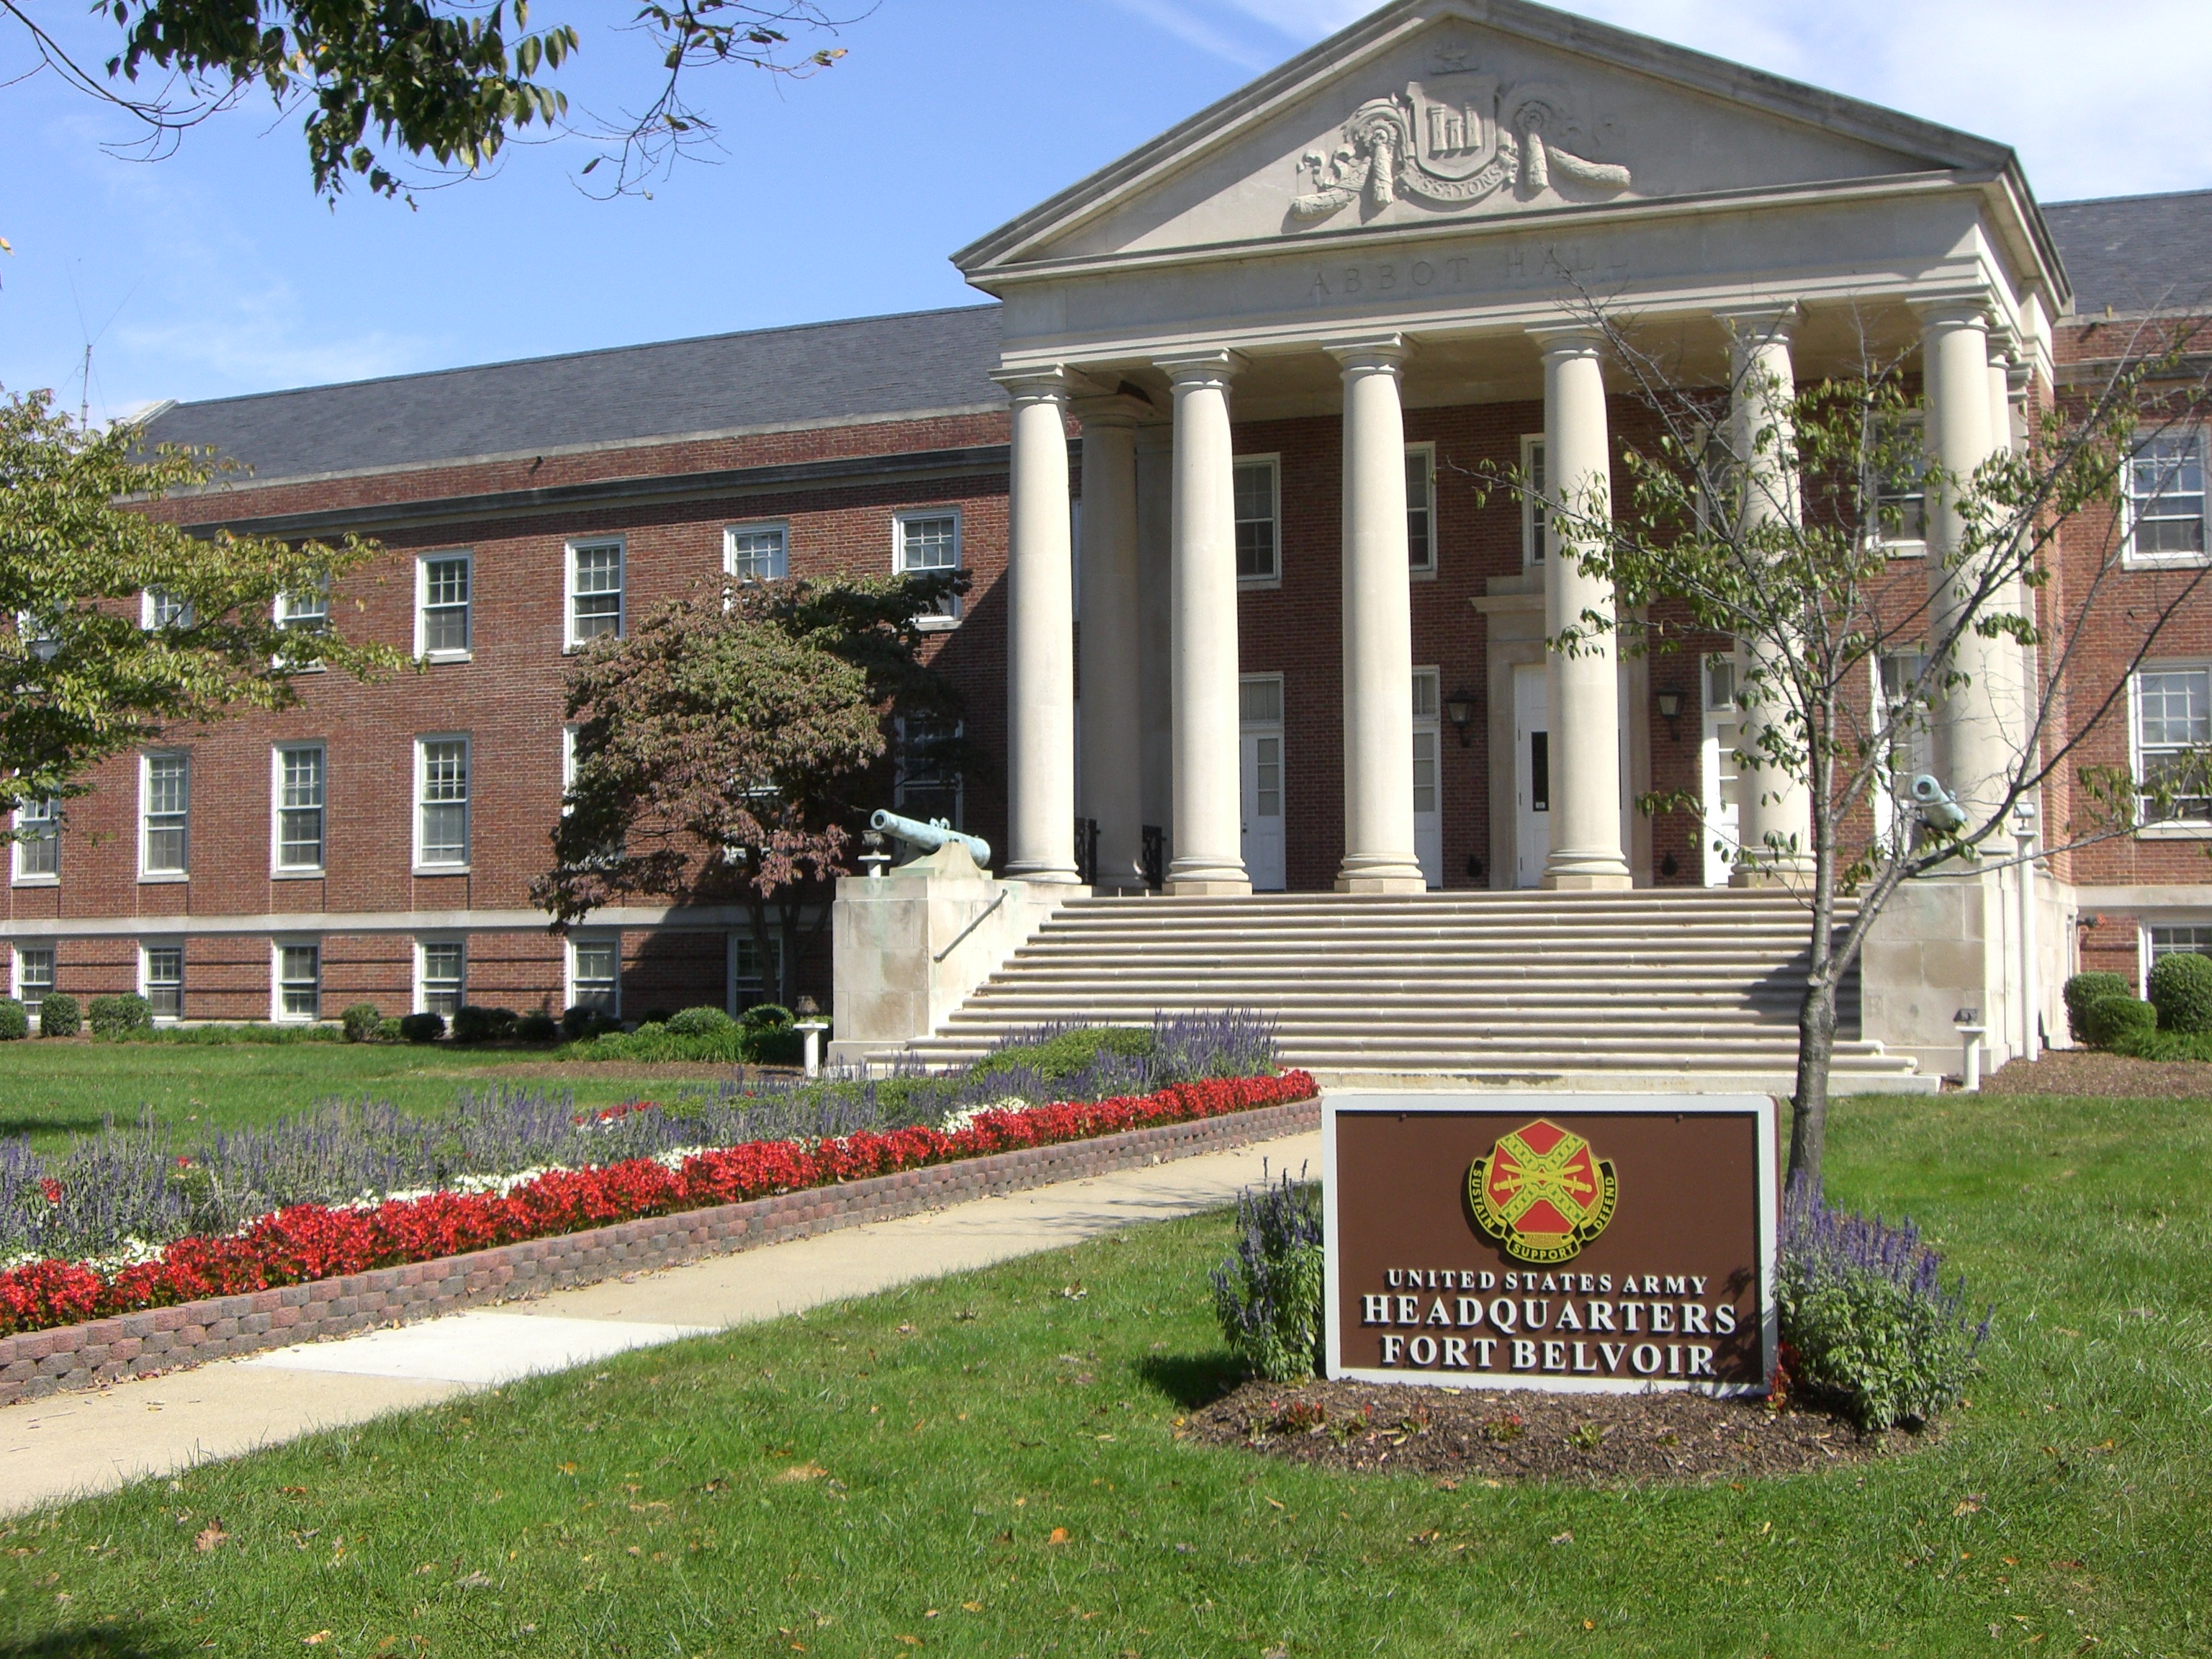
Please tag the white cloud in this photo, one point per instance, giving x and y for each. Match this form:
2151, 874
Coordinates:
2110, 105
1184, 22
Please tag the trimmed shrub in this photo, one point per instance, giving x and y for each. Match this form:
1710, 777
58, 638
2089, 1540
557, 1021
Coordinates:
2114, 1020
1268, 1294
422, 1028
59, 1016
362, 1023
2082, 991
700, 1022
1871, 1328
15, 1020
536, 1027
2181, 990
767, 1017
118, 1016
474, 1024
580, 1023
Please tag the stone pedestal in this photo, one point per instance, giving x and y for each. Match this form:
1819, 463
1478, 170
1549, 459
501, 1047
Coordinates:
913, 943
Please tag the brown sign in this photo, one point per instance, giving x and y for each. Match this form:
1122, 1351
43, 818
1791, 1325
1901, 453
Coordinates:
1591, 1243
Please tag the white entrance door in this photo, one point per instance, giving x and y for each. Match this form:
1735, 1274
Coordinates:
1532, 776
1260, 700
1428, 805
1722, 726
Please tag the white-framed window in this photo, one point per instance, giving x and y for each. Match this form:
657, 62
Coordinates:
595, 590
162, 979
1900, 500
1533, 513
158, 610
927, 540
39, 852
757, 552
2167, 503
299, 973
928, 785
595, 972
1421, 509
34, 976
2172, 710
440, 977
750, 981
40, 634
1908, 736
306, 612
297, 777
444, 591
1256, 486
165, 806
441, 802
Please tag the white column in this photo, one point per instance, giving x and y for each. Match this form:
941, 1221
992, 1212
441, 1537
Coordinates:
1111, 748
1040, 634
1379, 855
1776, 807
1208, 850
1583, 689
1155, 620
1973, 746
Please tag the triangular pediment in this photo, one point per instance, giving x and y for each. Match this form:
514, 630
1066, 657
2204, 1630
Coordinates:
1437, 111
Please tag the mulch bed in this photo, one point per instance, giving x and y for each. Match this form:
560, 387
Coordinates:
1459, 1434
2088, 1071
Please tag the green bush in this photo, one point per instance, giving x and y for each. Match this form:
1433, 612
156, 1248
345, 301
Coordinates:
700, 1022
2165, 1045
474, 1024
2181, 990
580, 1024
1064, 1053
653, 1041
59, 1016
15, 1020
422, 1028
536, 1027
767, 1017
117, 1017
1268, 1294
215, 1036
2084, 989
2114, 1020
362, 1023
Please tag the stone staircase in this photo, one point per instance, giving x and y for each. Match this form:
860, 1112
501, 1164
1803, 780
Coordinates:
1671, 989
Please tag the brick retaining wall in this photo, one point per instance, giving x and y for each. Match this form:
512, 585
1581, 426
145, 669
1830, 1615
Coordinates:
103, 1351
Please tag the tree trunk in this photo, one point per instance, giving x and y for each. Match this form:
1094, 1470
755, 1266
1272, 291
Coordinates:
1816, 1047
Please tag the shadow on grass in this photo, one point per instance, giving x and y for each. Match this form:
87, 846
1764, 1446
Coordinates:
82, 1123
93, 1642
1191, 1380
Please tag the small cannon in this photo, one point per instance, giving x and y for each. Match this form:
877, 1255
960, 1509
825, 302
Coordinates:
928, 837
1937, 810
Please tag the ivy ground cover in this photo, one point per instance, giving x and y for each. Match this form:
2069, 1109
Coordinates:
989, 1465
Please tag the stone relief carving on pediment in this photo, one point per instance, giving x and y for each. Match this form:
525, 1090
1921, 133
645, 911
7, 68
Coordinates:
1452, 140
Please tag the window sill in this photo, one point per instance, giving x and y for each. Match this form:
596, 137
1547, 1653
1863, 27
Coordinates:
315, 874
440, 870
1257, 584
1421, 572
936, 624
437, 659
37, 881
2175, 832
163, 877
2164, 562
1902, 549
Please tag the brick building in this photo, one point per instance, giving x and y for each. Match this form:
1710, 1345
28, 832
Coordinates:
375, 844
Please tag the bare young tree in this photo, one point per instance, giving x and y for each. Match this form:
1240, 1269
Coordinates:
1770, 513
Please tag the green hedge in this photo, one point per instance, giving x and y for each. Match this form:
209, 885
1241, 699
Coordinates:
215, 1036
117, 1017
15, 1020
59, 1016
2114, 1020
2082, 991
2181, 990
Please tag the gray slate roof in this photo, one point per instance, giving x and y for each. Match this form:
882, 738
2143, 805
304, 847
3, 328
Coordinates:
818, 372
2136, 253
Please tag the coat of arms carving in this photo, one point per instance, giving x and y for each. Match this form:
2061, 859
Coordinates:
1451, 140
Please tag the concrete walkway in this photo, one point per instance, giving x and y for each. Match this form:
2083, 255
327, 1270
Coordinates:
76, 1444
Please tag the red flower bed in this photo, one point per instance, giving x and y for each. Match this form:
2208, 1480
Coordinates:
313, 1241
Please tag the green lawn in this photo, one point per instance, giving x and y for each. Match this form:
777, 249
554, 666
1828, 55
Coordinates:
988, 1465
48, 1088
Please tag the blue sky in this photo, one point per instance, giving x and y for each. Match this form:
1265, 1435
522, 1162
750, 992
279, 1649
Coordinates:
215, 272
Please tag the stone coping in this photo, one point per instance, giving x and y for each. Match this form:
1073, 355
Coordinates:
35, 1363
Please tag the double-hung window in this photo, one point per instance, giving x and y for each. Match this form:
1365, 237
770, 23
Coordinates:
441, 795
2166, 500
1898, 494
39, 845
299, 981
1535, 480
307, 612
161, 976
756, 552
1258, 514
34, 976
595, 975
164, 796
928, 782
2177, 939
441, 606
1421, 510
164, 610
2173, 727
925, 544
595, 590
299, 770
442, 977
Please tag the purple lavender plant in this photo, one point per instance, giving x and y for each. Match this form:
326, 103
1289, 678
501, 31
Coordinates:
1267, 1294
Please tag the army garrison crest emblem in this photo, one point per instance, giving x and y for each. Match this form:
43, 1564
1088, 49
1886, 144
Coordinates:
1541, 1192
